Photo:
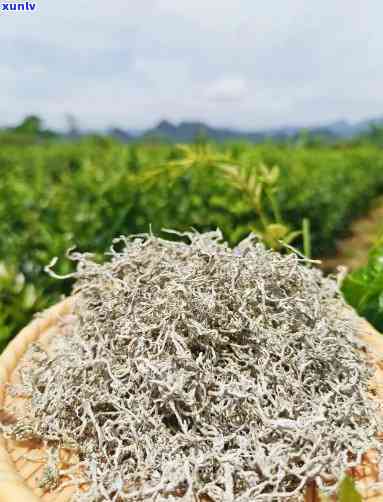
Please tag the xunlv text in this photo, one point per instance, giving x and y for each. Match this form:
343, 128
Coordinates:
17, 6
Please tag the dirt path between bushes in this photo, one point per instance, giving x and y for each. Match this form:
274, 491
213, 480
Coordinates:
352, 251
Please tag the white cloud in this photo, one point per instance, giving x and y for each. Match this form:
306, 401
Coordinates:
227, 89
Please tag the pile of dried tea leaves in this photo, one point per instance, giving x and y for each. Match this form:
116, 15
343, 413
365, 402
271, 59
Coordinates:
190, 368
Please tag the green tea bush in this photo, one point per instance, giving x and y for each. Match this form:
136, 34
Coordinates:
329, 186
55, 195
363, 288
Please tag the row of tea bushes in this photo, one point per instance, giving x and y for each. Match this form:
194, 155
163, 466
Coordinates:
56, 195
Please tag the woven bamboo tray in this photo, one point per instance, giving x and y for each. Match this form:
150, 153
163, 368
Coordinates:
19, 477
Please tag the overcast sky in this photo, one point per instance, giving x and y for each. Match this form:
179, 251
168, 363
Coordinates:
244, 63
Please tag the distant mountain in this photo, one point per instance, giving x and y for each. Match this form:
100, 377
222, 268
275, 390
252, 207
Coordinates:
121, 134
189, 131
185, 132
343, 129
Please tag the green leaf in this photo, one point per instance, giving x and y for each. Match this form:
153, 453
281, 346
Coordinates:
252, 183
29, 296
258, 195
273, 175
290, 237
347, 491
381, 301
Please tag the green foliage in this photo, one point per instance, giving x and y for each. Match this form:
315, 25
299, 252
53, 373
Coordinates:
28, 132
18, 300
347, 491
374, 135
30, 125
363, 288
257, 185
54, 195
306, 234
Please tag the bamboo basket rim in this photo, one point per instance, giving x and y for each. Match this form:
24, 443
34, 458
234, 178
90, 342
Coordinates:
13, 485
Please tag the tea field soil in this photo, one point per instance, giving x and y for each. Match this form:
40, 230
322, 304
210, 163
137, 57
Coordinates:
353, 250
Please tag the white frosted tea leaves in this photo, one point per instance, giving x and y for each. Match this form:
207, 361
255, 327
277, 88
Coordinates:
191, 369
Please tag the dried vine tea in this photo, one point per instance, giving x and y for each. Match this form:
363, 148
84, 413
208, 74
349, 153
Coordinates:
193, 369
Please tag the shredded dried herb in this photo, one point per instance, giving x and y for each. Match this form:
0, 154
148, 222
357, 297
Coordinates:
193, 369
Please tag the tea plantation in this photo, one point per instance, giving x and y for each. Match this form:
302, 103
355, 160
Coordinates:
55, 195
